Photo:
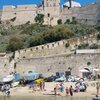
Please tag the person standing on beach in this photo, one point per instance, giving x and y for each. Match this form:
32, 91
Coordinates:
71, 90
97, 88
67, 91
55, 90
43, 85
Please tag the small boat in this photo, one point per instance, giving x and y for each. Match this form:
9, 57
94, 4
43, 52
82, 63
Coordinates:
14, 84
8, 78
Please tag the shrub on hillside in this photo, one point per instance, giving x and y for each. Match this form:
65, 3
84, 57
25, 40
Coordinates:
59, 21
98, 36
83, 46
15, 44
94, 46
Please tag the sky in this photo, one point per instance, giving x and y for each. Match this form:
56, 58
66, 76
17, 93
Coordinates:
20, 2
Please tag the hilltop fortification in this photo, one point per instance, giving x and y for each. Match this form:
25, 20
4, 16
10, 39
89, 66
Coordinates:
22, 14
89, 14
0, 15
50, 58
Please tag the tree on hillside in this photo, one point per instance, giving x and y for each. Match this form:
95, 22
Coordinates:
74, 21
59, 21
67, 21
39, 19
15, 44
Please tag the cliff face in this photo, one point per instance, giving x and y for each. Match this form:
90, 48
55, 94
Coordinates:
0, 15
98, 15
89, 14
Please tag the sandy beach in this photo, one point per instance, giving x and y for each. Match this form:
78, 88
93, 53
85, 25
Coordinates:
49, 86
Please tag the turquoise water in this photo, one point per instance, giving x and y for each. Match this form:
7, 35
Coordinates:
45, 98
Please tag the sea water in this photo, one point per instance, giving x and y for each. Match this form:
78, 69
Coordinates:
45, 98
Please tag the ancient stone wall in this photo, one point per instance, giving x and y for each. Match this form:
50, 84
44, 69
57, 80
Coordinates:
55, 48
50, 65
50, 58
20, 14
87, 14
0, 15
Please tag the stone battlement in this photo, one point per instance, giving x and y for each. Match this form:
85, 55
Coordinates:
55, 48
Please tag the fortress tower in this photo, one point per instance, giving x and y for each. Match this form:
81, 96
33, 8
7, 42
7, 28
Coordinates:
51, 11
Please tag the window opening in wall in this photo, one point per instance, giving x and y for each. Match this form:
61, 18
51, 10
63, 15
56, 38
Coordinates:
58, 43
63, 42
47, 46
36, 48
42, 47
52, 45
31, 49
48, 14
24, 57
19, 51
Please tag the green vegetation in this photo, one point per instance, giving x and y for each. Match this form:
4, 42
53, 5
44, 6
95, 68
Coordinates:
15, 44
67, 21
83, 46
39, 18
98, 36
59, 21
67, 45
94, 46
29, 35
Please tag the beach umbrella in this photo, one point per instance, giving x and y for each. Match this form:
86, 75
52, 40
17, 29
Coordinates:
39, 80
83, 70
95, 69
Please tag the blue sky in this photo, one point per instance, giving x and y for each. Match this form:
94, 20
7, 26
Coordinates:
18, 2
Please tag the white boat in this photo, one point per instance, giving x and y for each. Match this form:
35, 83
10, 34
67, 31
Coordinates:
14, 84
8, 78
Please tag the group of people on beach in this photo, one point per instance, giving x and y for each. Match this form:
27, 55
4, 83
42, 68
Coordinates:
6, 89
38, 86
60, 87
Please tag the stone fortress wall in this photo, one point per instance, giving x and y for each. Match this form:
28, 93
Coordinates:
0, 14
50, 65
55, 48
27, 13
51, 9
87, 14
50, 58
21, 13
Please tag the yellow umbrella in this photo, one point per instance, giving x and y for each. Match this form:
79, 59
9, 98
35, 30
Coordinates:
39, 80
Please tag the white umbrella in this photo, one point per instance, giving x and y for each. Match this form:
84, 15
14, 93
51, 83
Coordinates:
95, 69
83, 70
